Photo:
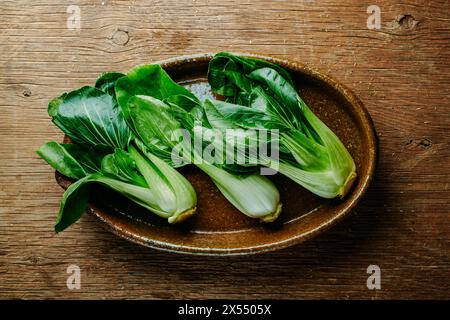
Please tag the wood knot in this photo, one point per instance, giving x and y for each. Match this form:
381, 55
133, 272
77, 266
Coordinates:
120, 37
407, 21
26, 92
421, 143
403, 23
34, 260
425, 143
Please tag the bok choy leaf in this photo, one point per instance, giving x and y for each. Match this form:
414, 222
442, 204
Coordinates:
93, 120
75, 199
107, 82
262, 96
90, 117
154, 123
160, 188
71, 160
148, 80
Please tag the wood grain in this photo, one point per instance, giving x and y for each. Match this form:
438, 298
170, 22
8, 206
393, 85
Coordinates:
401, 72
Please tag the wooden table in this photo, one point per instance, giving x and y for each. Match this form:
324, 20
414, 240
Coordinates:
401, 72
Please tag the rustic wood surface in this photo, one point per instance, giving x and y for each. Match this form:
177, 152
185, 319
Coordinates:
401, 72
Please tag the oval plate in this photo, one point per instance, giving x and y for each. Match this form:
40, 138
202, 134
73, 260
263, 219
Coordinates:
218, 228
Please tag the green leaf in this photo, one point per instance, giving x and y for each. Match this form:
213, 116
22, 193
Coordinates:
172, 191
283, 89
90, 117
155, 107
186, 119
107, 81
71, 160
73, 203
226, 70
225, 115
312, 155
280, 95
217, 119
122, 166
75, 199
309, 155
162, 190
154, 125
340, 160
184, 102
147, 80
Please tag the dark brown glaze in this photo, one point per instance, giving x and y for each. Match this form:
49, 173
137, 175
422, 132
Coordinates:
218, 228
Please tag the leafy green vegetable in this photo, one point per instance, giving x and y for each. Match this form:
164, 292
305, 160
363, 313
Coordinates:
247, 142
126, 129
148, 80
154, 125
121, 165
180, 109
254, 195
159, 109
160, 188
226, 73
263, 96
71, 160
107, 81
166, 183
163, 191
90, 117
75, 199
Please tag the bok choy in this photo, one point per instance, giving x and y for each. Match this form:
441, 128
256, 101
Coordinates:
104, 152
131, 131
261, 95
155, 107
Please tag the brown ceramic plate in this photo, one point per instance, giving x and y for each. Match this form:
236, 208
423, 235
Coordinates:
218, 228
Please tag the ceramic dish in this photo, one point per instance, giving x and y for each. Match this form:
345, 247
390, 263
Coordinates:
218, 228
